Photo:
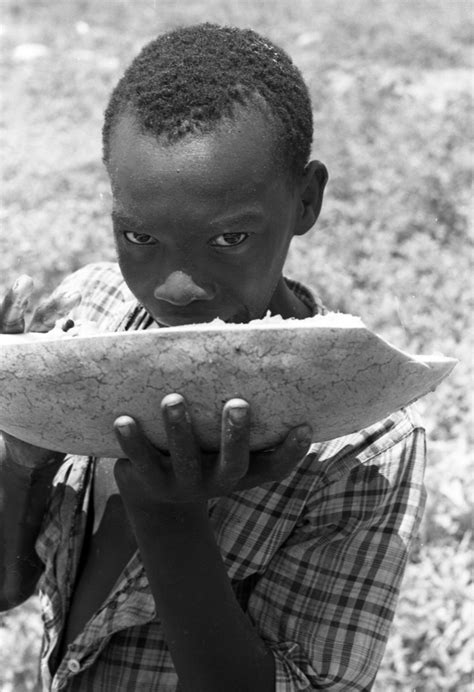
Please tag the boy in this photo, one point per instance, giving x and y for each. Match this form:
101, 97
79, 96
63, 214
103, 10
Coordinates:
271, 571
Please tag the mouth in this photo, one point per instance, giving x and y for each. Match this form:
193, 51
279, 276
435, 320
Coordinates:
180, 321
189, 315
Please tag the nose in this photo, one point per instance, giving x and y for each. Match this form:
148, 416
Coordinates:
180, 289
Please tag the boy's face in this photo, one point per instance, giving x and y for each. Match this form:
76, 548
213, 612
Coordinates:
202, 226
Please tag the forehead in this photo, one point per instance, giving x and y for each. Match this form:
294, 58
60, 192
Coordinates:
237, 157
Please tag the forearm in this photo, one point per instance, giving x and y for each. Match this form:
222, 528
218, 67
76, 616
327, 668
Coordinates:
24, 494
212, 643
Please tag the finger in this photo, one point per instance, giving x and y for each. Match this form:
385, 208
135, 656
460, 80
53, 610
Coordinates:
182, 444
64, 324
122, 471
234, 456
278, 463
13, 308
136, 446
57, 306
80, 328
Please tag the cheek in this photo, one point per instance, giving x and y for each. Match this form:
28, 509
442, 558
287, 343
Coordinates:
135, 262
254, 275
137, 278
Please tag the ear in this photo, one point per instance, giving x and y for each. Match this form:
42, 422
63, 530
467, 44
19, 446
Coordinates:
311, 191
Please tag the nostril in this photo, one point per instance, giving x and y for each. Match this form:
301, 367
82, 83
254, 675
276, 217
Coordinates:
180, 289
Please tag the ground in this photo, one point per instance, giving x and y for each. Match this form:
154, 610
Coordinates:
391, 84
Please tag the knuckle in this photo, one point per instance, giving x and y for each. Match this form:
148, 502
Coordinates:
302, 436
42, 319
188, 470
9, 326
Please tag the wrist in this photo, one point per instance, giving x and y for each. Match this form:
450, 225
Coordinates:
24, 459
30, 474
173, 513
162, 520
47, 466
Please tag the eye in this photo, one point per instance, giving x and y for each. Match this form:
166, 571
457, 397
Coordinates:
229, 239
139, 238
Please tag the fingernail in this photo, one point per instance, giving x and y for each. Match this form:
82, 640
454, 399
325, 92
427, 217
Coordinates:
23, 284
238, 414
303, 435
175, 411
67, 324
124, 426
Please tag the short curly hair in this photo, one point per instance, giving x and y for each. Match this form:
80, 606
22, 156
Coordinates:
189, 79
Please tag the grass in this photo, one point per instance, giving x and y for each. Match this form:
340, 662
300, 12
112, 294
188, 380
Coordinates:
392, 91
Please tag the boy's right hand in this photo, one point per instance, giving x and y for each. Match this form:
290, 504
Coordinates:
12, 321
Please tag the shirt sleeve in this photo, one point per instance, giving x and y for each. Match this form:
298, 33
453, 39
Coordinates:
325, 604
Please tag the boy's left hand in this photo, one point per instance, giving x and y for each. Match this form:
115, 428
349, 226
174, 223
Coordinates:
188, 475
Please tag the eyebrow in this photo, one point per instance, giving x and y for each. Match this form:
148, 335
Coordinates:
251, 215
120, 216
239, 217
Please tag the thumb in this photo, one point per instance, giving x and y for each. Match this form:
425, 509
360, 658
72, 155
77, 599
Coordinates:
273, 465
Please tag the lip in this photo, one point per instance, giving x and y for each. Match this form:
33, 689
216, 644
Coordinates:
185, 315
197, 312
180, 321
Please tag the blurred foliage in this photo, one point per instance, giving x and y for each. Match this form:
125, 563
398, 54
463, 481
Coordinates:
391, 84
432, 634
20, 644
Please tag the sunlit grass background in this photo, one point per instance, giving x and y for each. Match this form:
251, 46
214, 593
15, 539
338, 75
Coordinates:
392, 87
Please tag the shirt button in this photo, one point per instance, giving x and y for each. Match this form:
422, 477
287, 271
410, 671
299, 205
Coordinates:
73, 665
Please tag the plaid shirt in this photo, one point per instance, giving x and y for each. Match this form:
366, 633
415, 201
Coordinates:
315, 560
